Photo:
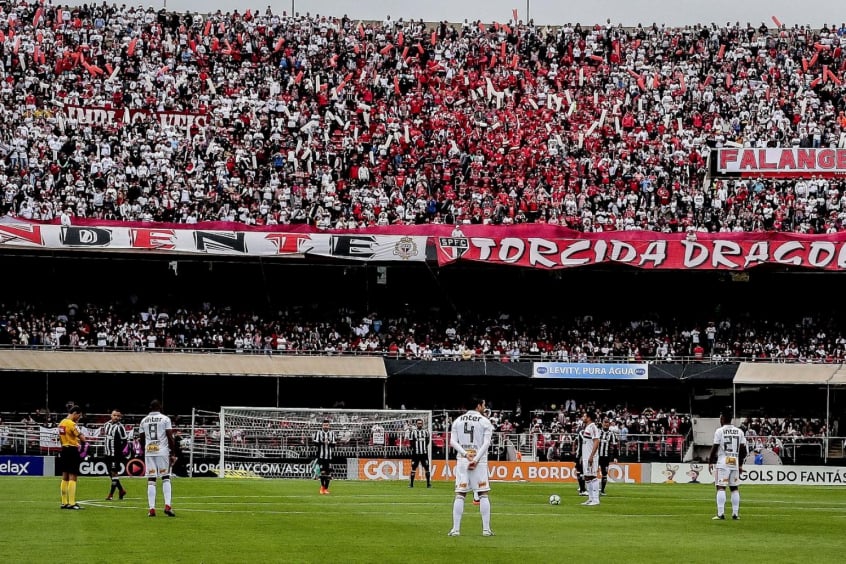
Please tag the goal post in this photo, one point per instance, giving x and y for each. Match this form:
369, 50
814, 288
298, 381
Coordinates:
274, 442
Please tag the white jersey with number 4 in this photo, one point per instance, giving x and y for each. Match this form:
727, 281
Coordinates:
729, 438
472, 432
154, 427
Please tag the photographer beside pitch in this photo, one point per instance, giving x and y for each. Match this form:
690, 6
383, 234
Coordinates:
728, 452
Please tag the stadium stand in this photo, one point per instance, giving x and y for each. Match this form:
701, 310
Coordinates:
127, 114
131, 115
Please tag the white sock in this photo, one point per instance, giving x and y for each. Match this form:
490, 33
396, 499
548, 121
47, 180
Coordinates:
735, 502
151, 495
457, 512
166, 490
485, 510
595, 486
721, 501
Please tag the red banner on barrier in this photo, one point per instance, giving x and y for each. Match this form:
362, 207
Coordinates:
650, 250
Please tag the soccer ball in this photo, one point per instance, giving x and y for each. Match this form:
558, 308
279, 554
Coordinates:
554, 499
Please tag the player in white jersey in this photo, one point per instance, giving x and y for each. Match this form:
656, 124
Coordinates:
589, 436
159, 447
471, 437
727, 453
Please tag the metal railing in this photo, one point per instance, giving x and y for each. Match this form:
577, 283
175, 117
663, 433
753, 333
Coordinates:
434, 357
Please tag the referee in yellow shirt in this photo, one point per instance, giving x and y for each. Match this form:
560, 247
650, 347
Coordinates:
71, 439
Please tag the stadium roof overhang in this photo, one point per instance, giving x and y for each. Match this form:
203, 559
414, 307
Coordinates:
787, 374
212, 364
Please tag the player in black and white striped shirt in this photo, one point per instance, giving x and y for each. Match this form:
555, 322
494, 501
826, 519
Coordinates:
420, 439
115, 441
325, 441
608, 446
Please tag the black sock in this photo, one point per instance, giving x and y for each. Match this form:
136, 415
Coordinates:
428, 478
581, 483
604, 481
119, 486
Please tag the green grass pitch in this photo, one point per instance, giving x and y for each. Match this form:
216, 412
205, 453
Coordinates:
256, 521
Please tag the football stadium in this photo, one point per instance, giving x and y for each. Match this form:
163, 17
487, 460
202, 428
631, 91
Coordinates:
384, 283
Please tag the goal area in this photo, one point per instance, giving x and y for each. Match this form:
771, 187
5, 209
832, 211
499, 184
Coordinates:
277, 442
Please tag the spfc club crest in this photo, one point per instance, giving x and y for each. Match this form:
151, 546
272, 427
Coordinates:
405, 248
454, 247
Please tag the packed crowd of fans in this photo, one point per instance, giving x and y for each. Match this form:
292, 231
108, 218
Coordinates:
343, 124
423, 335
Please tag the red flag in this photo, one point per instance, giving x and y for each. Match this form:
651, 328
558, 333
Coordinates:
386, 49
109, 69
130, 50
834, 78
721, 52
2, 36
192, 45
419, 48
405, 52
502, 50
434, 38
299, 77
515, 60
816, 82
777, 22
396, 85
481, 27
207, 29
514, 15
597, 58
804, 64
59, 20
361, 31
37, 17
400, 39
215, 44
682, 84
279, 44
729, 81
813, 60
493, 61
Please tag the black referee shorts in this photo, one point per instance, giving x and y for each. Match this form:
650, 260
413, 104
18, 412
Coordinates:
69, 460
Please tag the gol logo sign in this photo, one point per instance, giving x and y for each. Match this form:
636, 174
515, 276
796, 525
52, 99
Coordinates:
383, 470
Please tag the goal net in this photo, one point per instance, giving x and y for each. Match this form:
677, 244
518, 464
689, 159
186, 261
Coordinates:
277, 442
